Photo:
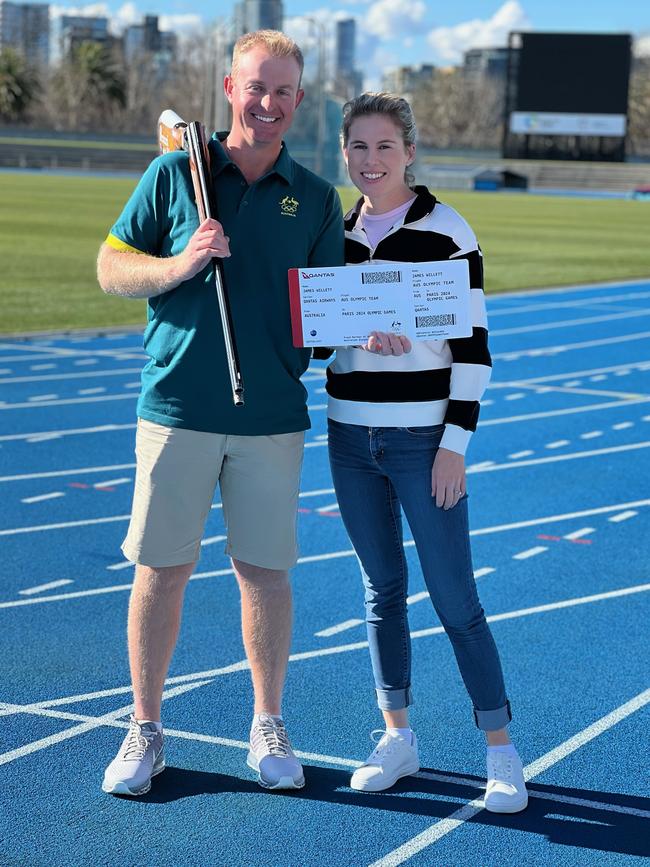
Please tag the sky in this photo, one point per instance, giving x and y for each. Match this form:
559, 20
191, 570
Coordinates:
398, 32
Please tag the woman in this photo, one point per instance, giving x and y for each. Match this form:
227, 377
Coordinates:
400, 416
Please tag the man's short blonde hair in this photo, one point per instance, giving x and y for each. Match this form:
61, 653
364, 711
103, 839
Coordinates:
276, 43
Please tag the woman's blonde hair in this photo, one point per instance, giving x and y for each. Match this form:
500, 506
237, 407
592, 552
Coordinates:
386, 105
276, 43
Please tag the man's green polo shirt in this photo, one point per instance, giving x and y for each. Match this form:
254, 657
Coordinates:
289, 218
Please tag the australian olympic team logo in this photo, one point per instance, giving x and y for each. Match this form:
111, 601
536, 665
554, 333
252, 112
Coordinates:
288, 206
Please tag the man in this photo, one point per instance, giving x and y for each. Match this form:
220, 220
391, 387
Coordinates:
273, 215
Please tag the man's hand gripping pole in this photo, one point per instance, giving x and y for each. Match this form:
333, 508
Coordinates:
175, 134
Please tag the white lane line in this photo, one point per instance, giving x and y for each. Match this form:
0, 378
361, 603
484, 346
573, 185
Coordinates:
482, 468
558, 444
243, 665
578, 534
544, 307
89, 522
597, 378
622, 373
554, 413
58, 473
111, 483
443, 827
84, 361
40, 367
49, 586
117, 566
340, 627
417, 597
39, 499
517, 396
637, 313
572, 383
66, 734
485, 570
623, 425
98, 390
50, 377
102, 428
483, 465
332, 507
566, 347
43, 438
624, 516
42, 398
590, 435
51, 352
68, 401
132, 384
5, 371
210, 540
531, 552
525, 454
637, 365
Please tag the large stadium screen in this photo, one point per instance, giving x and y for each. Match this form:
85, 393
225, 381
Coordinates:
571, 84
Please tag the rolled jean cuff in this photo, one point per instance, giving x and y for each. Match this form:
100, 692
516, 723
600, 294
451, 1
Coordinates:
491, 720
394, 699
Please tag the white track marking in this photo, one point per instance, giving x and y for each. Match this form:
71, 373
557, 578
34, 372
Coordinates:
443, 827
623, 425
61, 352
40, 398
98, 390
84, 361
517, 396
622, 373
483, 468
485, 570
563, 389
591, 435
566, 347
89, 522
578, 534
332, 507
583, 302
337, 761
531, 552
483, 465
639, 365
558, 444
111, 483
340, 627
80, 729
94, 374
117, 566
43, 438
597, 378
553, 413
210, 540
41, 367
39, 499
58, 473
42, 587
417, 597
69, 401
103, 428
624, 516
525, 454
570, 323
345, 648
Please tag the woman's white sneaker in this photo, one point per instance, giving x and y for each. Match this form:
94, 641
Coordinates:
393, 758
506, 789
141, 757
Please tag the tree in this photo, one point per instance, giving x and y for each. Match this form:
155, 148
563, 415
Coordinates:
18, 85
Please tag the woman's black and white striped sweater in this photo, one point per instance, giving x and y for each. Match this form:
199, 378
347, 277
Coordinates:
439, 381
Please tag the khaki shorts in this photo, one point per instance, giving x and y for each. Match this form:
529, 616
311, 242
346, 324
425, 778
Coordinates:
177, 473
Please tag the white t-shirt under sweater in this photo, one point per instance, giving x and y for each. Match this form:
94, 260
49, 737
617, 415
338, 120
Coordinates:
439, 381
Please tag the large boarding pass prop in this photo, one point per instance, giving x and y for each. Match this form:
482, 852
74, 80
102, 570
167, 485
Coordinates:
341, 306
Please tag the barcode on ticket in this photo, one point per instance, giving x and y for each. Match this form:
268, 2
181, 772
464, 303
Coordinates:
441, 319
381, 277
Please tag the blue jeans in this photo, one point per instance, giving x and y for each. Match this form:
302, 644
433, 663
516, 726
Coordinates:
375, 470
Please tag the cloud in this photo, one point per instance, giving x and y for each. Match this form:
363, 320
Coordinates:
182, 24
390, 18
450, 43
642, 46
91, 10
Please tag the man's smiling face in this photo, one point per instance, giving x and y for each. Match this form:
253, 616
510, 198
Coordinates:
264, 94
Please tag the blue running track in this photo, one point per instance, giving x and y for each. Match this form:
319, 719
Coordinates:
559, 483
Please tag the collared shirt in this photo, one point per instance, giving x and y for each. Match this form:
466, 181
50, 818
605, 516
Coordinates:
288, 218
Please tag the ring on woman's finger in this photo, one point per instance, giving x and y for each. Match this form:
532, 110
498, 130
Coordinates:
458, 492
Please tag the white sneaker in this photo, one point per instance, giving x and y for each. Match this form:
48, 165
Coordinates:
392, 758
272, 757
141, 757
506, 789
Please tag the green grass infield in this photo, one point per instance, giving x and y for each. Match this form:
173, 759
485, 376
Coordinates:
51, 227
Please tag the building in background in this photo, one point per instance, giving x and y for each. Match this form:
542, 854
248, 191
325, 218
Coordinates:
67, 32
347, 80
249, 15
407, 79
25, 27
482, 63
148, 40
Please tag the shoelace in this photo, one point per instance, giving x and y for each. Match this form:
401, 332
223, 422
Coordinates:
385, 745
138, 742
501, 767
274, 735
